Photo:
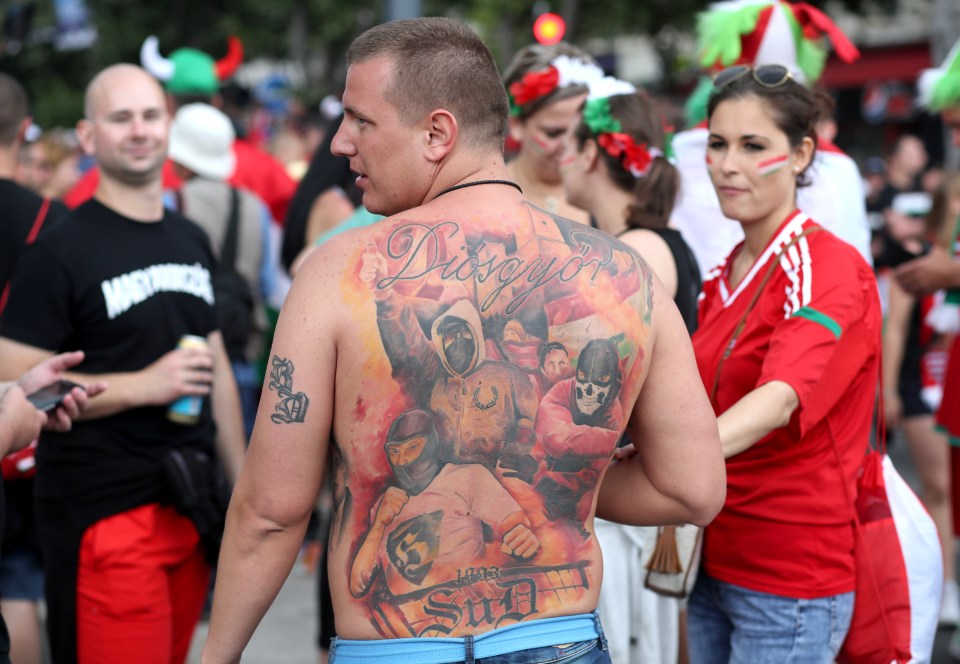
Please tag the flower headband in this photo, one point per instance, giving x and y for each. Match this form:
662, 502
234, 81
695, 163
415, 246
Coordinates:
562, 71
636, 159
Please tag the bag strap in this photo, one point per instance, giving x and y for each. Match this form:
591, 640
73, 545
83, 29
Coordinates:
857, 526
881, 419
31, 237
228, 254
738, 330
881, 412
38, 222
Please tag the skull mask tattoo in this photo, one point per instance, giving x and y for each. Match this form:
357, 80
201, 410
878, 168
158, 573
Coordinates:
598, 379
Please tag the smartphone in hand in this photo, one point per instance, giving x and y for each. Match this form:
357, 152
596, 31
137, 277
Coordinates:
49, 397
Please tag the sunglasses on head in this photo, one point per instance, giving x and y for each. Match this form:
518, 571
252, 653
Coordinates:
769, 76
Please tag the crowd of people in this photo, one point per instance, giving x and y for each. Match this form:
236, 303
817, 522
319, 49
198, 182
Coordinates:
476, 343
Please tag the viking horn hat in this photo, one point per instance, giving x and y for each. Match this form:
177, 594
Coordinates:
188, 70
939, 88
756, 32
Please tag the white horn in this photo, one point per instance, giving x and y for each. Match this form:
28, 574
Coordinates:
153, 62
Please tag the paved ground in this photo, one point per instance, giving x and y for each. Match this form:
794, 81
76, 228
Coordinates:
288, 631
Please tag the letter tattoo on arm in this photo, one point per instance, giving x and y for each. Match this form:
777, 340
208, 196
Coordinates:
292, 406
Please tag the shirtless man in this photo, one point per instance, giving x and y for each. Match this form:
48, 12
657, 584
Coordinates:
424, 123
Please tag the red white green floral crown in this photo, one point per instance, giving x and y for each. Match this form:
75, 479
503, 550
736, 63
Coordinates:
635, 158
563, 71
939, 88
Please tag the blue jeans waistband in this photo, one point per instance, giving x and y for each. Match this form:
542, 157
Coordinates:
440, 650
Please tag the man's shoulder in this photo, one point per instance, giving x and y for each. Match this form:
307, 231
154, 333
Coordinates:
365, 228
65, 226
22, 204
201, 196
200, 186
175, 218
11, 191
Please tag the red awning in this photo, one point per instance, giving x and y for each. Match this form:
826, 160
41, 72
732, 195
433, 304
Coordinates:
900, 63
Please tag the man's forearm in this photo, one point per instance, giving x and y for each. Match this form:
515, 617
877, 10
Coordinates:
256, 558
628, 496
955, 276
937, 270
126, 392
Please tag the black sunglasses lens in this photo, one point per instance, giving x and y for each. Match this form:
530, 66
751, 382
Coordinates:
729, 75
771, 75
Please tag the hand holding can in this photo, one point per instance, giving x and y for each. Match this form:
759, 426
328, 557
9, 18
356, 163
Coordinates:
186, 410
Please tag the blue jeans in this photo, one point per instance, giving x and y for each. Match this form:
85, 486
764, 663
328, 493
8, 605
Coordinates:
491, 648
248, 386
730, 624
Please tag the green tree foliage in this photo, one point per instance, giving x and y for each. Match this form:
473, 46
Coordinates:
304, 30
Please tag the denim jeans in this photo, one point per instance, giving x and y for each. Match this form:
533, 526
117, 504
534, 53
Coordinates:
417, 651
248, 387
730, 624
584, 652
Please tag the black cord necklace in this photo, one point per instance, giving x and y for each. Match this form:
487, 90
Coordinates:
476, 182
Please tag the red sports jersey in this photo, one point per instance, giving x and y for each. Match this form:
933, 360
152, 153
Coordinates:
786, 525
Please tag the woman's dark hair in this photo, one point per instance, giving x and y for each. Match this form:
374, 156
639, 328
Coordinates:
655, 193
795, 109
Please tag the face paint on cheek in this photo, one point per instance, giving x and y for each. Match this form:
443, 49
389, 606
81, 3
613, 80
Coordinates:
566, 162
772, 165
541, 146
709, 161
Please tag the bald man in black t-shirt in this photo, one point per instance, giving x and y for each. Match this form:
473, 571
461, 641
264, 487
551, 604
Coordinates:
124, 280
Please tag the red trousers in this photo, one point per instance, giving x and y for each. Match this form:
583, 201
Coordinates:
141, 585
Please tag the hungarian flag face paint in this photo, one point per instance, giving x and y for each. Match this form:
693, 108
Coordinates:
771, 166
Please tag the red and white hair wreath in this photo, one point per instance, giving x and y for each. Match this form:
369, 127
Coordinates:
562, 71
636, 158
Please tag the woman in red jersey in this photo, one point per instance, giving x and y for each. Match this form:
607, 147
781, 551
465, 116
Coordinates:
788, 347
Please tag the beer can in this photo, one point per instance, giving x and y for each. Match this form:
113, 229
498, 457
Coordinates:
186, 409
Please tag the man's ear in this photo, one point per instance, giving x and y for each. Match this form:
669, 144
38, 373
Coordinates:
442, 132
22, 131
85, 136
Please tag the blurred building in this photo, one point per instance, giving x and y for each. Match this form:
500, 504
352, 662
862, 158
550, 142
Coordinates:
876, 95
